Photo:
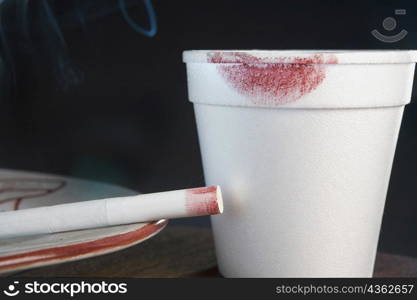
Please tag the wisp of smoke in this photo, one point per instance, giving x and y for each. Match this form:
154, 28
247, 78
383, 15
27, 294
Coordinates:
33, 29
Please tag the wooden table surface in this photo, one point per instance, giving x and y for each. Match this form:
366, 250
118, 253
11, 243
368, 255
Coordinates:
181, 251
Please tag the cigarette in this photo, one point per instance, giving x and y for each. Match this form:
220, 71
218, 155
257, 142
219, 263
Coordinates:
111, 211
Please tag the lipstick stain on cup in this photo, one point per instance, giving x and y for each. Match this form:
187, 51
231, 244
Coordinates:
202, 201
272, 81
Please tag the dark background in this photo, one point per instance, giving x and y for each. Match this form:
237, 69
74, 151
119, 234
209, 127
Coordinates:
85, 94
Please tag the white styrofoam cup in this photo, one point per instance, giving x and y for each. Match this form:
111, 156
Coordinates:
302, 144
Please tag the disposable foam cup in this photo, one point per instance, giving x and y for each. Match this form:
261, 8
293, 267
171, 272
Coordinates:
302, 144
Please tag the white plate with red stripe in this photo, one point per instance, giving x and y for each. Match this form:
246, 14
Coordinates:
22, 189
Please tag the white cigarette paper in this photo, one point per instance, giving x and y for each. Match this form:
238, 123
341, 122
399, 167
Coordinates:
111, 211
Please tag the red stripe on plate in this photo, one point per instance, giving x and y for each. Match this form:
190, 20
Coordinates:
16, 261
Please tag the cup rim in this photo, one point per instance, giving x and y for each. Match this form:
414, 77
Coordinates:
299, 56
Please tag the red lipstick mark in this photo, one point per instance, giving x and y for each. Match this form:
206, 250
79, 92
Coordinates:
18, 189
202, 201
282, 81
